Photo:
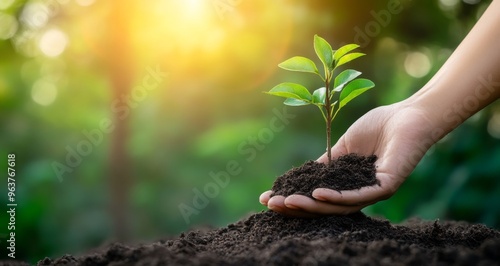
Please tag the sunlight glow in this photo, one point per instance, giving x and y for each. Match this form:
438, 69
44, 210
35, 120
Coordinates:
85, 2
192, 27
194, 7
206, 37
43, 92
53, 42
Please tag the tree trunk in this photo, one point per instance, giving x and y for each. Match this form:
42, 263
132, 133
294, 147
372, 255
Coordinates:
121, 75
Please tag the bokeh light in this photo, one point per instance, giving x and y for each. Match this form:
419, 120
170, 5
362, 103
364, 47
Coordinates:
494, 125
417, 64
8, 26
35, 15
53, 42
472, 2
4, 4
43, 92
449, 3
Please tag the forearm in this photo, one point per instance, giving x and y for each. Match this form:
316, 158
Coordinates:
468, 81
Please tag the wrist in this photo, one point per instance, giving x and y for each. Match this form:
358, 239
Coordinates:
429, 121
444, 111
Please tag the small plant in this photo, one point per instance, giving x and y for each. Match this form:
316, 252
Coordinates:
345, 83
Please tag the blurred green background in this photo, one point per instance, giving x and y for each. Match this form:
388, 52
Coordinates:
120, 113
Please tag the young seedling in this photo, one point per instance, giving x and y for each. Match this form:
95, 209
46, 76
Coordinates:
346, 83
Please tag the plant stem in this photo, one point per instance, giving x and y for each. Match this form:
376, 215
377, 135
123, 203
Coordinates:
328, 118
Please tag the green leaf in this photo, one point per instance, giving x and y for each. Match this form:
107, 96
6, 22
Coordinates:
344, 50
324, 52
343, 78
295, 102
299, 63
319, 96
348, 58
354, 89
291, 90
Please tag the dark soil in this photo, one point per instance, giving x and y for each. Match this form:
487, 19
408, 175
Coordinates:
346, 173
269, 238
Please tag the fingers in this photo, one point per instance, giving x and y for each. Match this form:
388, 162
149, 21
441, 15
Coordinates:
277, 204
330, 202
309, 205
357, 197
303, 206
264, 197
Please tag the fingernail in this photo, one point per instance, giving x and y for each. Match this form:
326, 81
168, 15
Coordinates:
293, 207
319, 198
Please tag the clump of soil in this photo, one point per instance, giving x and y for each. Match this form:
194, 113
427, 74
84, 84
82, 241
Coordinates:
345, 173
269, 238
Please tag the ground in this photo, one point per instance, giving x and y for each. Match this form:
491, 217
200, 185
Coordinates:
269, 238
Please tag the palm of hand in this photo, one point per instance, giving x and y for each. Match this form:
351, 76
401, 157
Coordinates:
393, 133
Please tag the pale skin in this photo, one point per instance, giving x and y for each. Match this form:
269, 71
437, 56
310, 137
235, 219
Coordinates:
400, 133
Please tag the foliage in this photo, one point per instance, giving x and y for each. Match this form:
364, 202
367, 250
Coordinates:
346, 83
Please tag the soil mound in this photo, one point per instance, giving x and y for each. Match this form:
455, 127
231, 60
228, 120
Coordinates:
268, 238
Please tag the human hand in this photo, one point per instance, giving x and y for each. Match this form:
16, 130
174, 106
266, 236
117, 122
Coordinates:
398, 134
